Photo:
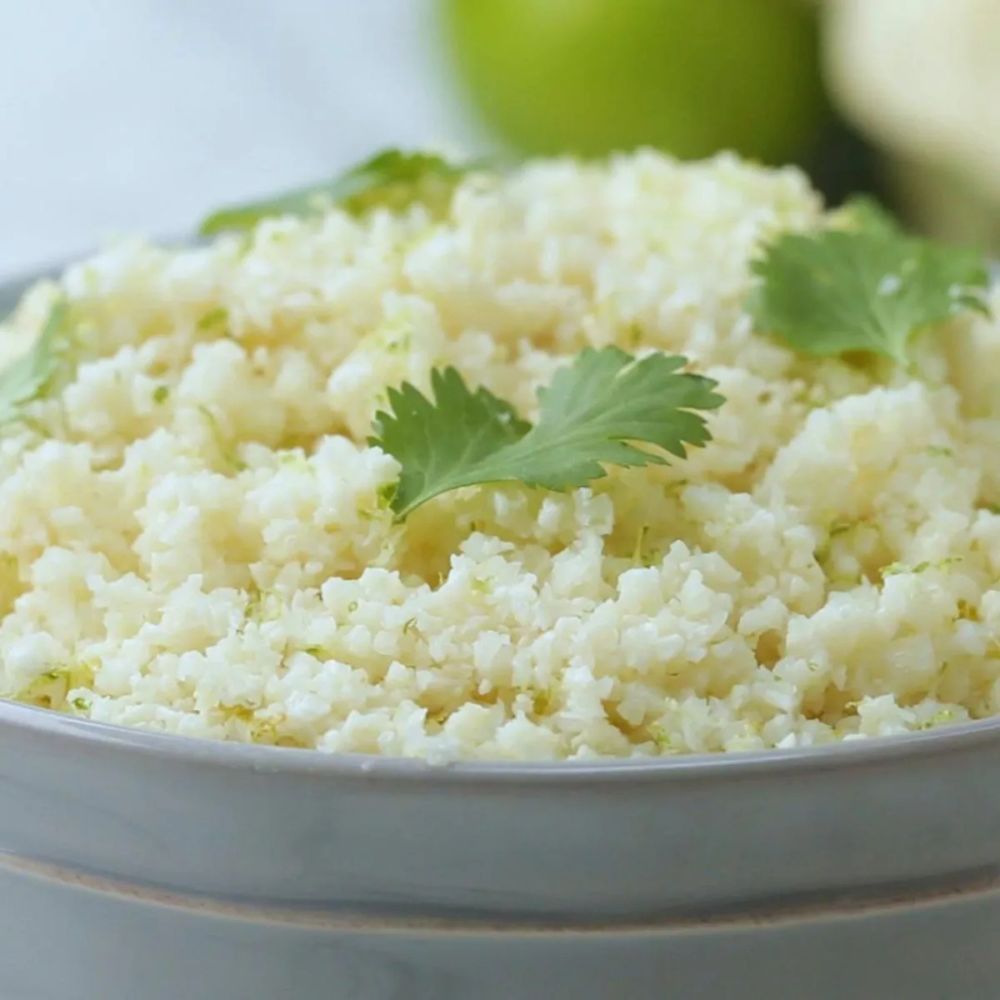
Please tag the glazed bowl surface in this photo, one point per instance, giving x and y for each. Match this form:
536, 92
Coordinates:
131, 861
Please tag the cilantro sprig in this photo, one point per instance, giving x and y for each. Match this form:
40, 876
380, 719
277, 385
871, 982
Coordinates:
27, 377
594, 413
867, 286
392, 178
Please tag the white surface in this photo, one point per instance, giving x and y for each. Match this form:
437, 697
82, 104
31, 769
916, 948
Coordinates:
138, 115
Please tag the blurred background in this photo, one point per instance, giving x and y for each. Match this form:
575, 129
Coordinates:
123, 116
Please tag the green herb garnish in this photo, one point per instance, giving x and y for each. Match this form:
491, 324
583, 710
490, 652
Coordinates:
213, 318
588, 415
866, 287
227, 450
390, 178
26, 378
896, 568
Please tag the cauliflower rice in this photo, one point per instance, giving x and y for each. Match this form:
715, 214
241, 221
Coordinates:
195, 536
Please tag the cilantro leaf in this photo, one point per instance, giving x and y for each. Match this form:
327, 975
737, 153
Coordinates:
25, 379
866, 287
390, 177
588, 416
864, 212
440, 442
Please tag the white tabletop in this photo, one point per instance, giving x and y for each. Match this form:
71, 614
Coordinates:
138, 115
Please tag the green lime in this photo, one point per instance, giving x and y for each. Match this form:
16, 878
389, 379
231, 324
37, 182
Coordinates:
689, 76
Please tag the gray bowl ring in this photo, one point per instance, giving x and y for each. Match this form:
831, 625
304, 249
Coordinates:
137, 866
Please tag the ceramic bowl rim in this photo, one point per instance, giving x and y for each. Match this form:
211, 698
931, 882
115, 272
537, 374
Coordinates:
88, 734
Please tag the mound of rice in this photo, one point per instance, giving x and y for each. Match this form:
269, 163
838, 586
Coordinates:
194, 535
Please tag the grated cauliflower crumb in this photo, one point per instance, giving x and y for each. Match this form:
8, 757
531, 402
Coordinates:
195, 536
